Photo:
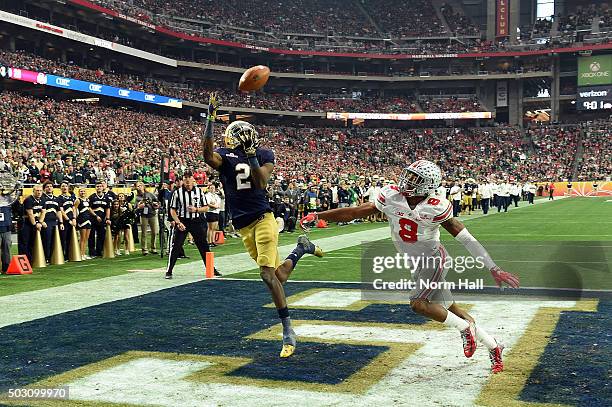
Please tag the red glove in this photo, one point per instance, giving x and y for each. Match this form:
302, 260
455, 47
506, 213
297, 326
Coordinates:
500, 276
309, 221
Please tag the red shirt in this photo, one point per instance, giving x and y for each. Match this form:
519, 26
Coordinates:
200, 177
44, 175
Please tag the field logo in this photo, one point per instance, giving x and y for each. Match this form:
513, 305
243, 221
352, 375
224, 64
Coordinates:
374, 362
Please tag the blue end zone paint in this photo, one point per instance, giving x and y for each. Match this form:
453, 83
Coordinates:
207, 318
576, 365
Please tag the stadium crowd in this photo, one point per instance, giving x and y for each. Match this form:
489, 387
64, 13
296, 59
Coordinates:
44, 139
596, 160
402, 21
300, 102
71, 144
555, 151
452, 104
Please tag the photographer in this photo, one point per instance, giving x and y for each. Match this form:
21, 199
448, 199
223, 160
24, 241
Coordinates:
147, 205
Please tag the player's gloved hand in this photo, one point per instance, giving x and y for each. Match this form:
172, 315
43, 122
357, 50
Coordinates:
309, 221
248, 144
500, 276
213, 106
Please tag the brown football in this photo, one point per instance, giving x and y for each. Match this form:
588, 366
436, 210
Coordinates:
254, 78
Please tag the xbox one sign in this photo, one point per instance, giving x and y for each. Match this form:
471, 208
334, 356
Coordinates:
595, 70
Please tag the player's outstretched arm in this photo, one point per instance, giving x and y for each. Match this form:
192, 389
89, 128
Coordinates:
342, 214
210, 156
460, 233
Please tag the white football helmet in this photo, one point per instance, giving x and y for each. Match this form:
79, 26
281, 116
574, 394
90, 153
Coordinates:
420, 178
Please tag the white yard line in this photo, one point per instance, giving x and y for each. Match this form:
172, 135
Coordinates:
31, 305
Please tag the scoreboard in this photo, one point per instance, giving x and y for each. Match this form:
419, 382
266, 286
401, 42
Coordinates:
594, 98
594, 83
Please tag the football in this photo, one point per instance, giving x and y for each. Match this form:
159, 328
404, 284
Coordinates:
254, 78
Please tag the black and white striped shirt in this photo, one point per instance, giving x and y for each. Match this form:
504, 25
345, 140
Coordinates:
182, 199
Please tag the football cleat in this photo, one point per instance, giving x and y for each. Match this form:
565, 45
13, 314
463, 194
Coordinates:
310, 247
289, 343
287, 351
497, 364
168, 276
469, 340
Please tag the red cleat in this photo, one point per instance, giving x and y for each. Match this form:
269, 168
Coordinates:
497, 364
469, 340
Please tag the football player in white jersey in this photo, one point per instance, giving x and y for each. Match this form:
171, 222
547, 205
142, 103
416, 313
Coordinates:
415, 215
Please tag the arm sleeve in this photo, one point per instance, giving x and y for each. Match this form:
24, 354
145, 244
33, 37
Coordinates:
475, 248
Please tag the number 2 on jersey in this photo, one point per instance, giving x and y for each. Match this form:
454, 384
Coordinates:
243, 171
408, 230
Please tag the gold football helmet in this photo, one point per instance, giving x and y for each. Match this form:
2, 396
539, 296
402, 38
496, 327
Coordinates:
238, 129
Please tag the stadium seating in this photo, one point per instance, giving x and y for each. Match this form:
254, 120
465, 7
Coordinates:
298, 102
66, 136
372, 20
596, 159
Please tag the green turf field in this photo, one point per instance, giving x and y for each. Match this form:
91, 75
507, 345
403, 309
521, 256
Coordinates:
53, 276
537, 243
544, 244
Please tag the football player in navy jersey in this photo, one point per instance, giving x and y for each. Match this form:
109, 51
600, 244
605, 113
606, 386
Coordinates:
245, 169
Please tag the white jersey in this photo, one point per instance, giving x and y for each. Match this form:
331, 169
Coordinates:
414, 230
486, 192
504, 189
455, 193
214, 199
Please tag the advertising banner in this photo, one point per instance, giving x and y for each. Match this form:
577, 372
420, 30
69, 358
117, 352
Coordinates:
98, 89
502, 18
595, 70
409, 116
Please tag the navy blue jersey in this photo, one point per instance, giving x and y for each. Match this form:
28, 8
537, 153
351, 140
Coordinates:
246, 202
66, 202
51, 207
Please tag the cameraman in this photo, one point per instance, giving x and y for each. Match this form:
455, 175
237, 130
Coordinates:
147, 205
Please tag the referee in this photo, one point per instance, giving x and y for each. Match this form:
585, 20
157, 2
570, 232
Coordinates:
187, 208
